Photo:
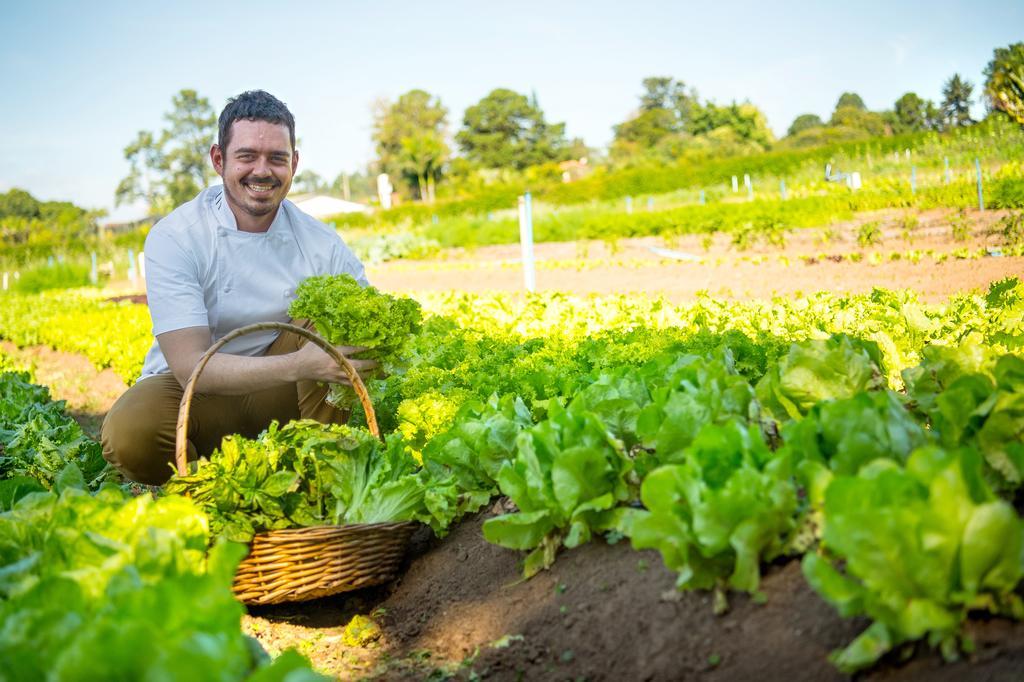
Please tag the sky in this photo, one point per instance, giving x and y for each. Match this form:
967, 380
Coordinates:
79, 80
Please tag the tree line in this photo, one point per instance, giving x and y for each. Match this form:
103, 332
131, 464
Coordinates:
506, 132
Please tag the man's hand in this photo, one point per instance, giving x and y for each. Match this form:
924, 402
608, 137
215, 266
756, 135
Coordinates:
227, 374
312, 363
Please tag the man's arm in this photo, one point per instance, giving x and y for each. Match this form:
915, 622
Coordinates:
227, 374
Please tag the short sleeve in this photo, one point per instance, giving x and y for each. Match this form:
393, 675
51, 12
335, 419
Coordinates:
344, 262
174, 294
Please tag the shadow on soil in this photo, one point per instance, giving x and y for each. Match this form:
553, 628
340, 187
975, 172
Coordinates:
605, 612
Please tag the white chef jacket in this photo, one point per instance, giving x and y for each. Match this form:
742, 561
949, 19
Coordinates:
202, 271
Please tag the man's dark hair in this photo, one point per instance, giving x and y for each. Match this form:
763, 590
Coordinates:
253, 105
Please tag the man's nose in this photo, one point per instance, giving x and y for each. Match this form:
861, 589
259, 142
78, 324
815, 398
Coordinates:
261, 167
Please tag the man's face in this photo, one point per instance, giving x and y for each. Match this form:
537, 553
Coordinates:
257, 166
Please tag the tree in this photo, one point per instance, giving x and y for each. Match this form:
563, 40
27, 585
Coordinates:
1004, 81
804, 122
144, 161
666, 108
747, 121
956, 101
17, 203
648, 127
403, 127
911, 113
308, 181
171, 168
423, 154
850, 99
506, 130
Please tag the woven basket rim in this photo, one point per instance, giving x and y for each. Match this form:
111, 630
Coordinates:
333, 527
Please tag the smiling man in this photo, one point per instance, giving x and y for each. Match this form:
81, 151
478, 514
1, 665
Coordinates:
230, 257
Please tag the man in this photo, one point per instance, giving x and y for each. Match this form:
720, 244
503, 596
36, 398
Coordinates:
228, 258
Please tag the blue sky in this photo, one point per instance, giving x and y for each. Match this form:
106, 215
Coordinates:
79, 79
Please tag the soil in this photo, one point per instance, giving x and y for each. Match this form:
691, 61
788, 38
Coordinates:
630, 266
89, 393
602, 612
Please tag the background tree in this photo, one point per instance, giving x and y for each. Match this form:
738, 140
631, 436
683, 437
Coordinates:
308, 181
507, 130
185, 145
666, 108
1004, 81
747, 123
852, 115
804, 122
423, 154
956, 101
170, 168
414, 117
142, 182
362, 185
912, 113
850, 99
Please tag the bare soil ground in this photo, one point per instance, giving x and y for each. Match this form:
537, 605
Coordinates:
89, 392
630, 266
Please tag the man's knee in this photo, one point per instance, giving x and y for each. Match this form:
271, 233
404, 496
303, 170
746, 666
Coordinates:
136, 441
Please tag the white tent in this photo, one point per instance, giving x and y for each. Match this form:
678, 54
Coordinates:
320, 206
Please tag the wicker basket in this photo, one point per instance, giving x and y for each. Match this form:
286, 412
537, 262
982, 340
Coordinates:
297, 564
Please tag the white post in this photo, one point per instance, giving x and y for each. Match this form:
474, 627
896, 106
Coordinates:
629, 205
142, 265
384, 190
93, 274
526, 241
735, 184
131, 266
5, 282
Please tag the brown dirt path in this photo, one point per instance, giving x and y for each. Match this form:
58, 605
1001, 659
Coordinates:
629, 265
89, 392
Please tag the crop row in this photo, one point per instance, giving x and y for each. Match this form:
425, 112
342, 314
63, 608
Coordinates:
722, 434
86, 565
722, 452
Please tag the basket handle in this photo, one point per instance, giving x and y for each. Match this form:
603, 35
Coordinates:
181, 431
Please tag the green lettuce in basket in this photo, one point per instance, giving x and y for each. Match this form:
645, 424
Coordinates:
346, 313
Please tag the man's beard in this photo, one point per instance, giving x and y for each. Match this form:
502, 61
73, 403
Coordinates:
256, 211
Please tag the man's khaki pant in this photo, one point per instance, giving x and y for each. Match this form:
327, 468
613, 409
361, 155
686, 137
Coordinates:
138, 432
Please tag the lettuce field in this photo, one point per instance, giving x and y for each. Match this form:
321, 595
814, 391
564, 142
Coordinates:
618, 486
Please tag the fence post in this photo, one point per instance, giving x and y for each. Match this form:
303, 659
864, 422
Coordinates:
750, 187
526, 241
93, 274
702, 197
782, 189
947, 170
5, 281
913, 179
131, 266
981, 197
650, 203
629, 204
735, 184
